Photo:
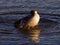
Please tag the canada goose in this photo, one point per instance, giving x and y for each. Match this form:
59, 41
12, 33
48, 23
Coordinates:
28, 21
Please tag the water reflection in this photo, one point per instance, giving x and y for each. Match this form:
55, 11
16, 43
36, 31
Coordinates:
32, 33
45, 26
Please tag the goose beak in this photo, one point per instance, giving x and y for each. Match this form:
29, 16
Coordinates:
35, 12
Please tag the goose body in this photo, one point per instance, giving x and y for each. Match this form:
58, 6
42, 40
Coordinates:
30, 21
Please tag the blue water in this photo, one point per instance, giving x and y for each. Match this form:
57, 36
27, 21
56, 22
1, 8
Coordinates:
12, 10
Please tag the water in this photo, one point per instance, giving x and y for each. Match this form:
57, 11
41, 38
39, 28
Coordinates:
49, 24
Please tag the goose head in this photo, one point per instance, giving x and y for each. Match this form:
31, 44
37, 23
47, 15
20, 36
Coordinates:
34, 12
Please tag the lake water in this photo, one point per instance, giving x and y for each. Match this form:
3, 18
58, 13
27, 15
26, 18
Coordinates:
12, 10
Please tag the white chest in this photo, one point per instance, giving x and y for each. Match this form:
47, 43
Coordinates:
34, 20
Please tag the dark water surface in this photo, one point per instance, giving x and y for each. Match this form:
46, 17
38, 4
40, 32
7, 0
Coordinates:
12, 10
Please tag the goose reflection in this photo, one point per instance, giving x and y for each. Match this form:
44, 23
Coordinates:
32, 33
